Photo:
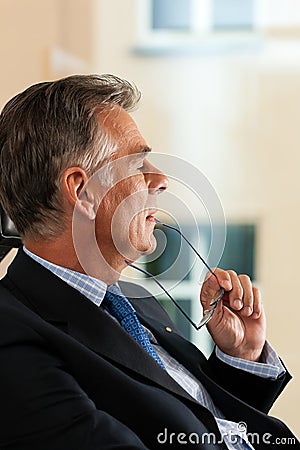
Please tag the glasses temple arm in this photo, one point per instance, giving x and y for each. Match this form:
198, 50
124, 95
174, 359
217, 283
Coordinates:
165, 291
189, 243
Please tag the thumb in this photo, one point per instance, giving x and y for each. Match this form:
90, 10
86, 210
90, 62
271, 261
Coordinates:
210, 290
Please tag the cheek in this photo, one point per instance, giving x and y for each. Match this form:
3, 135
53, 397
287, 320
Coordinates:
135, 185
108, 205
124, 203
134, 195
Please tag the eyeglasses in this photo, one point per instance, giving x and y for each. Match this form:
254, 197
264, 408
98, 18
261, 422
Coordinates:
216, 297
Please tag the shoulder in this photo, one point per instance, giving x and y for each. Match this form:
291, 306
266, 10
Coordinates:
9, 304
17, 322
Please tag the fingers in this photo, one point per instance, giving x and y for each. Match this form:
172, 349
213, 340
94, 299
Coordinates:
257, 303
211, 286
240, 295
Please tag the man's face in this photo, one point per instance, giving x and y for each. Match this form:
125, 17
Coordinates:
125, 217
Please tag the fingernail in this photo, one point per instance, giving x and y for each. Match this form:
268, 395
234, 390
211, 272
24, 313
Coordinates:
237, 304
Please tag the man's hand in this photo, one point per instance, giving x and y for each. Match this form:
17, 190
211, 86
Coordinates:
238, 326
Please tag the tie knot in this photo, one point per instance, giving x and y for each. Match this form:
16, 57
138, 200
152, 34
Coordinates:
117, 304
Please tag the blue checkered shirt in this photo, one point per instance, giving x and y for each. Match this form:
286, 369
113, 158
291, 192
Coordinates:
233, 434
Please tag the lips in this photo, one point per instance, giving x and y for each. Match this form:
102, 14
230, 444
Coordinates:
150, 217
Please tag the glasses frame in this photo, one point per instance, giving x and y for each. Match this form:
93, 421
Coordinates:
207, 313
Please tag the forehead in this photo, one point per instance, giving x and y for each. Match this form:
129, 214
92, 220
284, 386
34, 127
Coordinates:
124, 129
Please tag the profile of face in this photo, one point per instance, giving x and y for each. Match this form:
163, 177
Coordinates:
124, 221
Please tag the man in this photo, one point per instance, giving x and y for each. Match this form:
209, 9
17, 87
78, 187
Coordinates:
81, 366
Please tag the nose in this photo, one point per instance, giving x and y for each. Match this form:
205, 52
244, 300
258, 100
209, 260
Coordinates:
157, 182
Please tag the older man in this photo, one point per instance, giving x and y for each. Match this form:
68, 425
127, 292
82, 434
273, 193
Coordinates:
90, 363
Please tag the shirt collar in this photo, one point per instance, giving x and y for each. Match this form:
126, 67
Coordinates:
90, 287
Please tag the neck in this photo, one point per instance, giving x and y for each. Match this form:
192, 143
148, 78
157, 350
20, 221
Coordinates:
105, 266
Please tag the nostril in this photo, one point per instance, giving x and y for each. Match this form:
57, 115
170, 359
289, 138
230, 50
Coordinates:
162, 189
157, 182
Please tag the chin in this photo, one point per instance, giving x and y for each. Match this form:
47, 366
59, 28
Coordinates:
151, 246
142, 244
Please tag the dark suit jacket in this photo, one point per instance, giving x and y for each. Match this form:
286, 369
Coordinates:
71, 378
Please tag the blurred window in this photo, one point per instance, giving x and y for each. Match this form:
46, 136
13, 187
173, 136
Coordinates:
171, 14
191, 14
165, 26
232, 14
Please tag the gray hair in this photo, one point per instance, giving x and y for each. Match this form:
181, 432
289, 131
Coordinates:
46, 129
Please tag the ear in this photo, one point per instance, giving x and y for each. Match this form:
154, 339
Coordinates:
78, 193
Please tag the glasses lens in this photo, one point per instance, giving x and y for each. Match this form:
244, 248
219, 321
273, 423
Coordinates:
215, 296
207, 315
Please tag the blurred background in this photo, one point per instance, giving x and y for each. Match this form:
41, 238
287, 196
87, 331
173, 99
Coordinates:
220, 82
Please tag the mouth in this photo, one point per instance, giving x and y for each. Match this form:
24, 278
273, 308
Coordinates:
150, 217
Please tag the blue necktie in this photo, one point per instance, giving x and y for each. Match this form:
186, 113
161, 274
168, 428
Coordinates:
119, 307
